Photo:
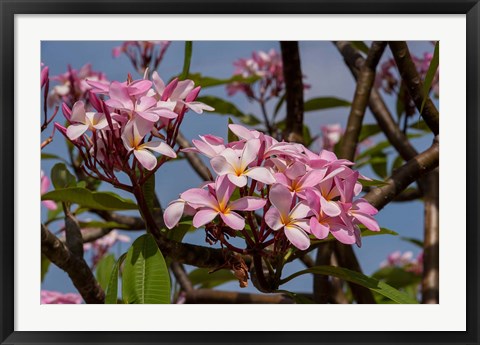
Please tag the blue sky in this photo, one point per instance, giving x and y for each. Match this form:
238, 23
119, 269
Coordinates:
325, 71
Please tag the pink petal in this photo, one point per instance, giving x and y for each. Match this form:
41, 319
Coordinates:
297, 237
364, 206
98, 86
296, 170
319, 230
76, 131
119, 92
160, 147
260, 174
221, 166
281, 198
173, 213
199, 107
367, 220
313, 200
223, 190
311, 179
148, 115
204, 216
199, 197
182, 89
243, 132
51, 205
239, 181
273, 219
145, 103
300, 211
139, 87
78, 113
343, 235
250, 153
248, 203
330, 208
233, 220
146, 158
158, 82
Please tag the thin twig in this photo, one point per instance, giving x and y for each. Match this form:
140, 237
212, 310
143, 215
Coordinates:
181, 277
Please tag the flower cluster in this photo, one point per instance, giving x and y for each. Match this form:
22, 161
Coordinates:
143, 53
72, 85
138, 118
101, 246
301, 193
405, 260
55, 297
387, 79
267, 67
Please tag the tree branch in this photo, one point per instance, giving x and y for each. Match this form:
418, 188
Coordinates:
404, 176
229, 297
430, 280
76, 267
414, 84
293, 76
365, 80
394, 134
181, 277
321, 290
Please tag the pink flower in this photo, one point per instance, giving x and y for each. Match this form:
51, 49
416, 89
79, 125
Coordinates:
44, 185
235, 163
174, 212
55, 297
132, 137
216, 202
405, 260
331, 135
210, 145
101, 246
83, 121
282, 216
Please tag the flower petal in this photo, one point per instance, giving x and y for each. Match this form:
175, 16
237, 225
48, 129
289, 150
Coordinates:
160, 147
239, 181
300, 211
330, 208
297, 237
173, 213
319, 230
248, 203
281, 198
260, 174
76, 131
203, 217
78, 113
221, 166
273, 219
249, 153
145, 158
233, 220
199, 197
223, 190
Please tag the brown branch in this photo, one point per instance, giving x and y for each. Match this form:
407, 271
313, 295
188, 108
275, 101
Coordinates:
321, 290
384, 118
404, 176
194, 160
409, 194
181, 277
292, 73
365, 80
430, 280
76, 267
414, 84
202, 296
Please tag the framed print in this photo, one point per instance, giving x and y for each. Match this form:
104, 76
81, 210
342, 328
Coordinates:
214, 172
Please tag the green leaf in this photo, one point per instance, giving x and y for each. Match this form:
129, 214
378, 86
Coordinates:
372, 183
223, 107
414, 241
367, 131
298, 298
396, 276
360, 45
357, 278
365, 233
432, 69
45, 267
178, 233
61, 177
102, 225
397, 163
379, 164
187, 60
322, 103
420, 125
203, 279
279, 105
104, 270
230, 135
145, 277
111, 293
105, 201
210, 81
46, 156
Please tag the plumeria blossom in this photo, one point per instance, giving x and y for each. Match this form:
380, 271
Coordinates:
83, 121
235, 164
44, 186
101, 246
55, 297
292, 220
304, 195
405, 260
214, 202
132, 120
132, 139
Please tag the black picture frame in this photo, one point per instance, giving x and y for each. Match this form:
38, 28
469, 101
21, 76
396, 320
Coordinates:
9, 8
